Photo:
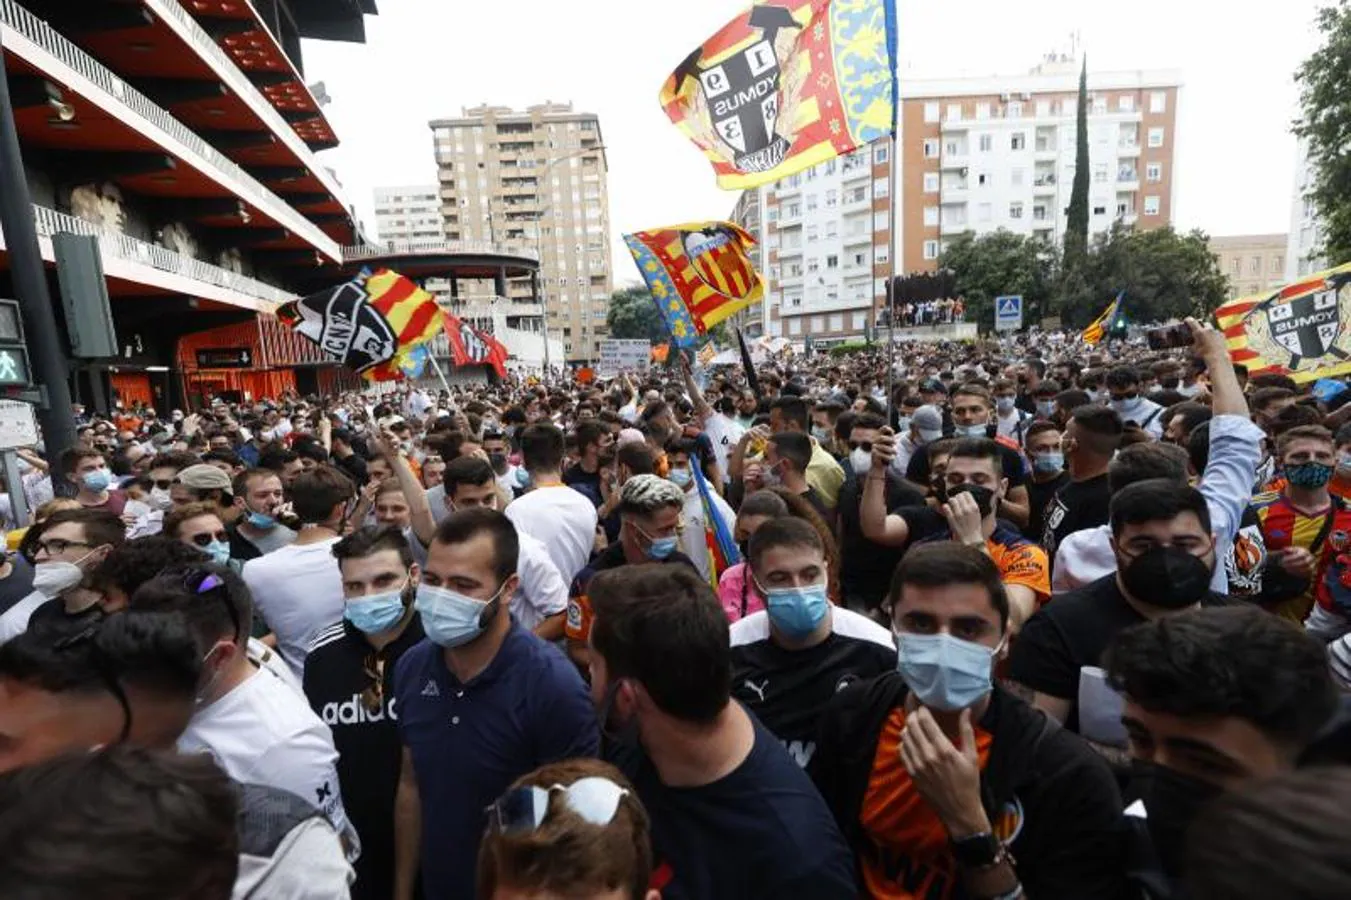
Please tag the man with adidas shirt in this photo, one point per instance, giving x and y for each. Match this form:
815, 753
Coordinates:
349, 680
790, 659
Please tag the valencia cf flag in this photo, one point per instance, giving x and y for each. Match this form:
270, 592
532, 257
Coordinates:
698, 274
471, 347
369, 324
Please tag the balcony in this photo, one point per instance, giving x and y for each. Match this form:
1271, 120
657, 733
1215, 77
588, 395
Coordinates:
383, 249
117, 119
854, 238
1128, 148
1044, 184
955, 161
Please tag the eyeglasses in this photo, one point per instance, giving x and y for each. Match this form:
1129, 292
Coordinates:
103, 666
865, 446
207, 537
525, 809
56, 546
206, 582
163, 483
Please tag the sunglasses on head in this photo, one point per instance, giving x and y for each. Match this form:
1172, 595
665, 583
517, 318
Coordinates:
525, 809
199, 582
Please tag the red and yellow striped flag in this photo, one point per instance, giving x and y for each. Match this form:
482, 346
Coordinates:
1302, 329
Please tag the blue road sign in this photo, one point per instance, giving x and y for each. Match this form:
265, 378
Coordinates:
1008, 313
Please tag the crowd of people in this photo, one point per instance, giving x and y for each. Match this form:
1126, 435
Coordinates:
1021, 618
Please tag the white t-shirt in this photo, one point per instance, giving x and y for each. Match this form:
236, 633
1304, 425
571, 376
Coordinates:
543, 591
1008, 427
264, 732
693, 540
724, 434
562, 520
298, 590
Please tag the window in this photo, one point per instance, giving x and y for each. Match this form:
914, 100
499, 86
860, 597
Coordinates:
1126, 103
818, 323
1016, 177
954, 112
792, 211
1156, 137
813, 265
955, 148
832, 261
832, 228
1152, 205
811, 202
1154, 172
772, 214
930, 148
837, 322
982, 110
1099, 209
1100, 173
794, 326
1018, 141
1014, 109
1099, 106
811, 174
1158, 101
860, 321
881, 252
812, 233
985, 179
931, 111
1015, 210
859, 259
931, 215
880, 155
1039, 212
1043, 109
986, 143
1255, 266
880, 187
832, 198
983, 212
930, 182
1277, 265
931, 249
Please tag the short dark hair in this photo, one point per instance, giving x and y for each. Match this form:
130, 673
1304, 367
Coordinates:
785, 531
1265, 396
134, 563
229, 457
542, 447
867, 420
1303, 432
978, 448
588, 433
1278, 837
240, 486
470, 470
763, 503
662, 626
212, 614
374, 539
1157, 500
125, 823
944, 563
1198, 447
637, 457
100, 526
1122, 377
71, 459
1234, 661
1101, 427
178, 460
1073, 398
309, 448
1039, 427
316, 492
275, 457
176, 516
793, 410
1146, 461
464, 525
1191, 413
794, 447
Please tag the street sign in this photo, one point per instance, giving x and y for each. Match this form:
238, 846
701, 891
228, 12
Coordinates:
225, 358
1008, 313
18, 426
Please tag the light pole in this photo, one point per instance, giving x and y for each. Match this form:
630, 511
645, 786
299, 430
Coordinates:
539, 242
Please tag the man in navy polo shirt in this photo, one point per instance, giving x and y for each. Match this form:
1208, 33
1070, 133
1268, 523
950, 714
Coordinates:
481, 702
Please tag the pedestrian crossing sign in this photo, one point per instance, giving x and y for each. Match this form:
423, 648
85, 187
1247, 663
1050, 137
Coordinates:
1008, 313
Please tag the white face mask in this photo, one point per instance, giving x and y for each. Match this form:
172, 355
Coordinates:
160, 499
55, 577
861, 461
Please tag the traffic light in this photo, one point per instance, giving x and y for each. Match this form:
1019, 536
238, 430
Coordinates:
14, 368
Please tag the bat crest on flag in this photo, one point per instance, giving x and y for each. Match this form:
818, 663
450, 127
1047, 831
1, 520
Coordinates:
1306, 326
1300, 329
718, 263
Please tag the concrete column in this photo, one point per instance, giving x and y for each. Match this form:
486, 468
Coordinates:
500, 283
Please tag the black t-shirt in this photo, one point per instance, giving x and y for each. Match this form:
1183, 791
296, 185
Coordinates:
1039, 494
788, 689
1011, 461
52, 614
762, 832
354, 466
368, 745
1071, 632
825, 512
585, 483
17, 584
1076, 506
866, 567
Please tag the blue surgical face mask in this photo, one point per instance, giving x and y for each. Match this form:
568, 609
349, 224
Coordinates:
942, 671
796, 611
662, 547
822, 435
970, 431
375, 613
450, 618
1046, 408
261, 521
681, 477
1045, 463
1004, 405
98, 480
219, 551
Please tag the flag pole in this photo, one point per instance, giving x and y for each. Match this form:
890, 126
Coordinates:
894, 228
436, 366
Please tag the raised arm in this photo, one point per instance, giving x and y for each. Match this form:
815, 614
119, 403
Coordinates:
877, 525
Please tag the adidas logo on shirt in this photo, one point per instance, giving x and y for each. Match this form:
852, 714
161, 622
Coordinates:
430, 689
354, 712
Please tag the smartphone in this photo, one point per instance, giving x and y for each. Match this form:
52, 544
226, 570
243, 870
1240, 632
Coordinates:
1169, 337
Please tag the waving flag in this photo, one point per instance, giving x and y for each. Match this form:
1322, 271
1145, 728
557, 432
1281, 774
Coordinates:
786, 85
698, 274
471, 347
1099, 327
369, 324
722, 549
1300, 330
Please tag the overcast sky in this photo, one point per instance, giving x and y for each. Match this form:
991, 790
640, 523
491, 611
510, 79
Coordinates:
425, 59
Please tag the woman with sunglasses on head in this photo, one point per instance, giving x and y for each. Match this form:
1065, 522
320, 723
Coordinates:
570, 830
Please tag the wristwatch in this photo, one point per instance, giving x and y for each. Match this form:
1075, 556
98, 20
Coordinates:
978, 851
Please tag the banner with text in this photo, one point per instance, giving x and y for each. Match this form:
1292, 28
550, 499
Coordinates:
623, 356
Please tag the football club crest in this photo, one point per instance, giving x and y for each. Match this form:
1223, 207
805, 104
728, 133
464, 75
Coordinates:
344, 325
718, 263
1306, 326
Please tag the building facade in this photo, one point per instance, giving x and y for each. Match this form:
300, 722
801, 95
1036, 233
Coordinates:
537, 177
990, 153
1301, 250
1253, 263
408, 213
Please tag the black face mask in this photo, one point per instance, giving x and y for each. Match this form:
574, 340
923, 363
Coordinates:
983, 496
940, 489
1172, 801
1166, 577
498, 461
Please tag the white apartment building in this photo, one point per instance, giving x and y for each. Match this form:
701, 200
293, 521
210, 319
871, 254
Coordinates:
408, 213
1305, 231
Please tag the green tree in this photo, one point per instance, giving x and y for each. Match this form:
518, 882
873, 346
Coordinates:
1165, 275
633, 316
1325, 125
1076, 229
997, 264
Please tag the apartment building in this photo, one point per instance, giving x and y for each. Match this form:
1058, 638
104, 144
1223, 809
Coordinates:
182, 136
536, 178
982, 154
1301, 250
1253, 263
408, 213
826, 247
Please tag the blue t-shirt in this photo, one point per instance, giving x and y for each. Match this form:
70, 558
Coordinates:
470, 741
